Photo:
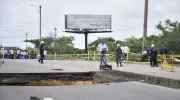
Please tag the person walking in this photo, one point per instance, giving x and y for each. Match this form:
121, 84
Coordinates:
118, 55
41, 50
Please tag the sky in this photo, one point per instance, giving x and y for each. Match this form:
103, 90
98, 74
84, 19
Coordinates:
17, 17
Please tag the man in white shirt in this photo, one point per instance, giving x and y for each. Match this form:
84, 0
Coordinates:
1, 53
21, 54
123, 57
24, 54
102, 49
126, 51
12, 54
122, 48
45, 52
18, 54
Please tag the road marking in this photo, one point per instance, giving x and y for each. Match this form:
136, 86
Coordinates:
48, 99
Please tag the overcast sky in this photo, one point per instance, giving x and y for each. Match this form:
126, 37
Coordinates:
17, 17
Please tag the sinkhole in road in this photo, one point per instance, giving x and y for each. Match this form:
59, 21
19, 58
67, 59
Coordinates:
58, 83
81, 78
47, 79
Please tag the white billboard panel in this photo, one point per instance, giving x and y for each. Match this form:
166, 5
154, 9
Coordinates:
81, 21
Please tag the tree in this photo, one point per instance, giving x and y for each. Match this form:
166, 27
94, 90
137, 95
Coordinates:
111, 43
170, 35
135, 44
59, 45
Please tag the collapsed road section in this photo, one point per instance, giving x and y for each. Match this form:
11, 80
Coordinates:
82, 78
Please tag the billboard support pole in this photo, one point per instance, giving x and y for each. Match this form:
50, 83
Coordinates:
86, 40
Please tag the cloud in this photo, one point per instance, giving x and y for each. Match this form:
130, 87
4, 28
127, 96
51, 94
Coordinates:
127, 17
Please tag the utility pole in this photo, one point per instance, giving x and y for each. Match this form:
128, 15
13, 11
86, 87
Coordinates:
55, 35
39, 10
26, 40
55, 32
40, 26
145, 24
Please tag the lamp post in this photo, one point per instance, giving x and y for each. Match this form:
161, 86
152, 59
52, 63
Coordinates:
39, 10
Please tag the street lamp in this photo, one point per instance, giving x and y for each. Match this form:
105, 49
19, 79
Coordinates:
39, 10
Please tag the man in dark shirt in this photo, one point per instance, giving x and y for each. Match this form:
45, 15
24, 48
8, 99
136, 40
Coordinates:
163, 50
153, 56
41, 50
118, 55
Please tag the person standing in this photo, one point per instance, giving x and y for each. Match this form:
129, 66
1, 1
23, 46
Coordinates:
126, 51
12, 54
45, 53
18, 54
24, 54
163, 50
123, 57
153, 56
144, 54
102, 49
41, 50
118, 55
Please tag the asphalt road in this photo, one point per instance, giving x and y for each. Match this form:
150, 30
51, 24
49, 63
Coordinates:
32, 66
114, 91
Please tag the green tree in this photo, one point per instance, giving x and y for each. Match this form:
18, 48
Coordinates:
110, 42
170, 35
135, 44
62, 45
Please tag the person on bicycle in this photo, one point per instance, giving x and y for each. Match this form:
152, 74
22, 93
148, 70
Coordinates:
102, 49
119, 55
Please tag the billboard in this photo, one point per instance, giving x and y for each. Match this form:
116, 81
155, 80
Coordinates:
80, 21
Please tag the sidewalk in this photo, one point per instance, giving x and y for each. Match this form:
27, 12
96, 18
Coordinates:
147, 70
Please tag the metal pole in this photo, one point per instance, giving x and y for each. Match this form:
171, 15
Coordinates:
40, 26
55, 33
26, 40
55, 40
145, 23
86, 41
